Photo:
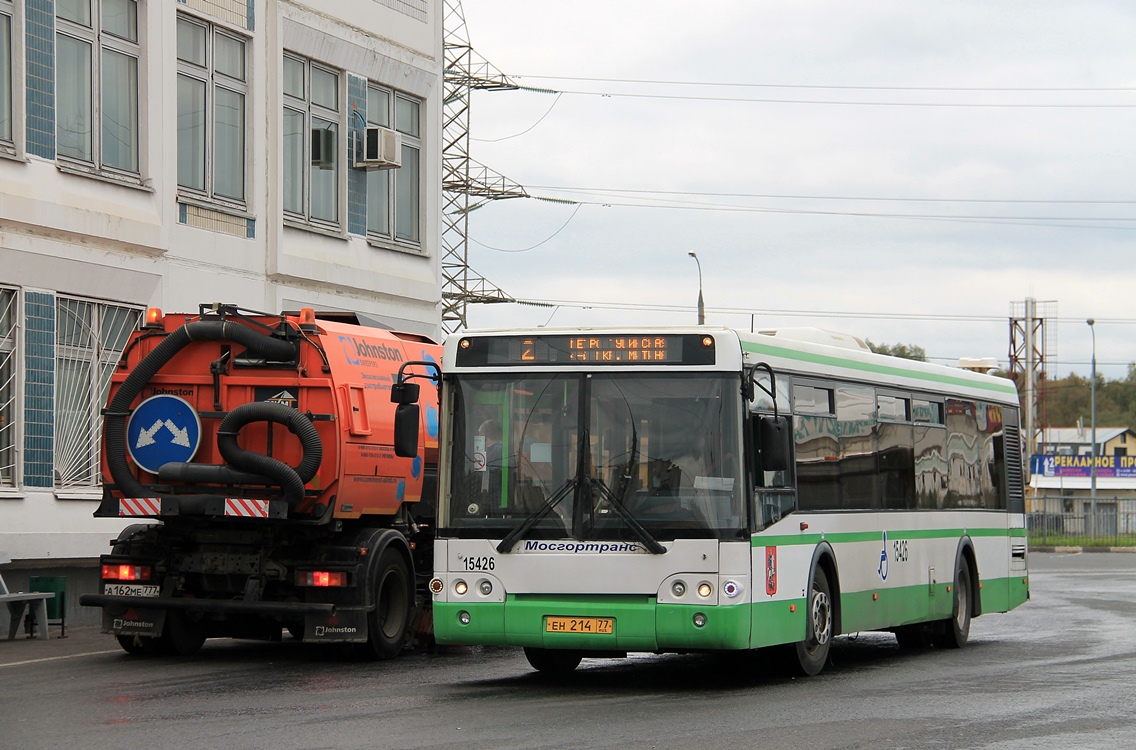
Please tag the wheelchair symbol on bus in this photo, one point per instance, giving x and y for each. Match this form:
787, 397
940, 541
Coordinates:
883, 569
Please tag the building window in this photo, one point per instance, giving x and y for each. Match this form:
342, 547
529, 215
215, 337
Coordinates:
396, 193
407, 185
312, 150
9, 330
96, 102
89, 337
211, 94
6, 72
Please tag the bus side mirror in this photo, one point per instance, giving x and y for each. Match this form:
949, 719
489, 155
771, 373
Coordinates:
406, 424
773, 443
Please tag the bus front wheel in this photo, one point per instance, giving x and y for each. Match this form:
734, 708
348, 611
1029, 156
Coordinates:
812, 653
552, 661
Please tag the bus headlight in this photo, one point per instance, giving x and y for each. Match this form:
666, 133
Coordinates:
699, 620
678, 588
463, 617
485, 587
460, 587
705, 590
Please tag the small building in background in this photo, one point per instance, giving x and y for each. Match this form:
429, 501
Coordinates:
1061, 475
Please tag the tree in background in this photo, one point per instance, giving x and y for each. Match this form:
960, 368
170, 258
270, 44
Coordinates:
905, 351
1068, 399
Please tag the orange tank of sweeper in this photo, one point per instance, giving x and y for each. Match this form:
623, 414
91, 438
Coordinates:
294, 410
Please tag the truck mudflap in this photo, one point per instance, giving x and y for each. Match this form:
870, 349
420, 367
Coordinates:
342, 626
134, 621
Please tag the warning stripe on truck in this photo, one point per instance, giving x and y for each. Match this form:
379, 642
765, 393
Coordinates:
245, 508
140, 506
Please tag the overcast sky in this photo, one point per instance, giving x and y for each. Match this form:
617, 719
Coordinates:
1010, 127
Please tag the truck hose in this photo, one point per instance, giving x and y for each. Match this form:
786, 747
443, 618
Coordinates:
291, 480
119, 409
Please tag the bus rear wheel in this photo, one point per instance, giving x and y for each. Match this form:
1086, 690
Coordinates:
812, 653
954, 632
552, 661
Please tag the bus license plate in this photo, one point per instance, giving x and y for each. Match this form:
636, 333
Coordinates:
130, 589
600, 625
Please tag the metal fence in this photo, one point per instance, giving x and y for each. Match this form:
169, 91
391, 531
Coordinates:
1110, 528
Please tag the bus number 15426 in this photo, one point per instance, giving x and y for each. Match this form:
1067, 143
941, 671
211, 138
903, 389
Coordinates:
480, 563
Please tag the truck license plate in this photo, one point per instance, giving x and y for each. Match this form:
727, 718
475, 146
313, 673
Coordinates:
130, 589
600, 625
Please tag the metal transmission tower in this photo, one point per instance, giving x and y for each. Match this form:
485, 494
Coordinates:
462, 177
1032, 344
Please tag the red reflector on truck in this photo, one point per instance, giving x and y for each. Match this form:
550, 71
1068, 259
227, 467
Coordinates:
245, 508
126, 572
140, 506
321, 578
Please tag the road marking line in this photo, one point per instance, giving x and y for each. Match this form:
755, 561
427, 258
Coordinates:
56, 658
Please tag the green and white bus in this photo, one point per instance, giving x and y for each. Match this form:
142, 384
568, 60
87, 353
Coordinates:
705, 489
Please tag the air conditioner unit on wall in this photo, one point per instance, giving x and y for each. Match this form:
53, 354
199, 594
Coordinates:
323, 148
381, 149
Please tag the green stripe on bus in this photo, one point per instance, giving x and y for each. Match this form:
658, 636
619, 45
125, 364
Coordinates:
786, 540
891, 370
642, 624
883, 608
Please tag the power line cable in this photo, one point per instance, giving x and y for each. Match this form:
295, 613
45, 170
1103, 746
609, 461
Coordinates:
831, 102
658, 307
532, 247
835, 87
965, 218
517, 135
795, 196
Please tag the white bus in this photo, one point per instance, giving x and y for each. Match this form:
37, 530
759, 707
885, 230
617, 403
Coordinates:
704, 489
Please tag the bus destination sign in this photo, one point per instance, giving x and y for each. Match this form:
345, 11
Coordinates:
587, 349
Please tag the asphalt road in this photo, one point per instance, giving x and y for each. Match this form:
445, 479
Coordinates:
1059, 672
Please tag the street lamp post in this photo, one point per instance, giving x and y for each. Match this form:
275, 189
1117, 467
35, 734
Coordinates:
701, 306
1093, 435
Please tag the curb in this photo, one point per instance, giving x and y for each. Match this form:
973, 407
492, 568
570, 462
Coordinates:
1077, 550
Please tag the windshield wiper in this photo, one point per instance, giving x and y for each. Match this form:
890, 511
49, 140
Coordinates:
616, 503
553, 500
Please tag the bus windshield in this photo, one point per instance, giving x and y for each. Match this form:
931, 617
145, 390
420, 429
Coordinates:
607, 452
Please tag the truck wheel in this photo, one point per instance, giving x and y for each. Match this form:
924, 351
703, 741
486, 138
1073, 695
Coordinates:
183, 635
389, 623
140, 645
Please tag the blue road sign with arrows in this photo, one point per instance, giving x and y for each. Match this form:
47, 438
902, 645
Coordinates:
163, 429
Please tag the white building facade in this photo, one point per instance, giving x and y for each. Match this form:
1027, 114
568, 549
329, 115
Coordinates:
169, 153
